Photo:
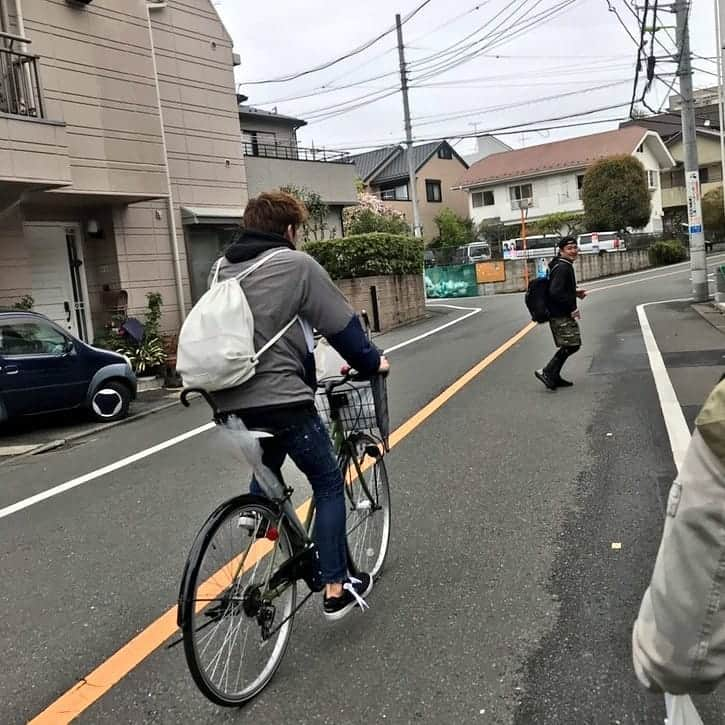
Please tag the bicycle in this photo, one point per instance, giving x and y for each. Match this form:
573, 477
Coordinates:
242, 590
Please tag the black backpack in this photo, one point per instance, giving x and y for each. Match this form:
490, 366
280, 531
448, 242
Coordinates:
537, 299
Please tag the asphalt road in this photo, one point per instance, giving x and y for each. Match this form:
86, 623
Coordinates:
502, 601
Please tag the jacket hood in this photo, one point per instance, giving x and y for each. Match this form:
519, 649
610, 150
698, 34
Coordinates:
252, 243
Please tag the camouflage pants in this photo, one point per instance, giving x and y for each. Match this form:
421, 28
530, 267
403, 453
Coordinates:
565, 331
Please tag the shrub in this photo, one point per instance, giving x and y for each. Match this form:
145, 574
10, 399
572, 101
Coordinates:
366, 255
667, 252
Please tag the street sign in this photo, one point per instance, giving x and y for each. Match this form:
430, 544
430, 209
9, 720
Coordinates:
694, 210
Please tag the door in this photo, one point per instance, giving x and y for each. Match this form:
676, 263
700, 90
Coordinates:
59, 284
40, 369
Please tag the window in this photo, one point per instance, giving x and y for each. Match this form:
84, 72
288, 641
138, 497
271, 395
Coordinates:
433, 191
715, 173
258, 143
445, 152
31, 338
517, 193
395, 193
482, 198
640, 149
704, 175
652, 179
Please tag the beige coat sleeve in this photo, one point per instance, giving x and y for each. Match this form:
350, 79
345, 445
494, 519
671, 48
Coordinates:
678, 641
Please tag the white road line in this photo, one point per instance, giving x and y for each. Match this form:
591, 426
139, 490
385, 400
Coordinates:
73, 483
677, 430
471, 311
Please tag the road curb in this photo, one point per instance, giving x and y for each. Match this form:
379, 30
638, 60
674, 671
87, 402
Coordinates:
711, 313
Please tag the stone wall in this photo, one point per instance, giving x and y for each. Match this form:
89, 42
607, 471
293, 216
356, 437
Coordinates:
400, 298
588, 266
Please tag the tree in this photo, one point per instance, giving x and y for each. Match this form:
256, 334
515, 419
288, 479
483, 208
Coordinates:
713, 215
561, 222
316, 225
616, 194
371, 215
453, 230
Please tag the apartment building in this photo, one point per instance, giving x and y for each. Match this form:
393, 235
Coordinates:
121, 161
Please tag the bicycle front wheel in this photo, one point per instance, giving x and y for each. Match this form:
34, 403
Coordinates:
235, 628
368, 512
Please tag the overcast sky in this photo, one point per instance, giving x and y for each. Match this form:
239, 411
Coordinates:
576, 61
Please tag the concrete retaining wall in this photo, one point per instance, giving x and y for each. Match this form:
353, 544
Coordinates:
400, 298
588, 266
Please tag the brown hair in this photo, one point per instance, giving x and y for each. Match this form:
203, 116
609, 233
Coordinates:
273, 212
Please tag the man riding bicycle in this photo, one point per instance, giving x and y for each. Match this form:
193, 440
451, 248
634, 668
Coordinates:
280, 396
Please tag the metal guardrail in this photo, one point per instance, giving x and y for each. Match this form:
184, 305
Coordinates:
294, 153
20, 90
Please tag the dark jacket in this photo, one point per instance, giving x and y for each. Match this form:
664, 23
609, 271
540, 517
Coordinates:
290, 284
562, 287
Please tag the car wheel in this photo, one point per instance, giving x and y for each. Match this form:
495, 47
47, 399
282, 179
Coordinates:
110, 402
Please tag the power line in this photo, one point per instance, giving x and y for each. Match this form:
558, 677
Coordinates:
339, 59
435, 118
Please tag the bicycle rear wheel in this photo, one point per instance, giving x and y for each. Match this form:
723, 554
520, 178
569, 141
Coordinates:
235, 629
368, 513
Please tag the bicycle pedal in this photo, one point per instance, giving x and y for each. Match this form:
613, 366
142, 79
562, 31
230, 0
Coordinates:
363, 505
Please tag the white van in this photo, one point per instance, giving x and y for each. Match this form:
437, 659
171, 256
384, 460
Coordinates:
471, 253
596, 242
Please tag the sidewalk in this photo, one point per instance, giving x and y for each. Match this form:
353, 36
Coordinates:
691, 339
27, 436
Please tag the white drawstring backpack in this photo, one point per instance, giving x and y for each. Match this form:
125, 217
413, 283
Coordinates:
216, 342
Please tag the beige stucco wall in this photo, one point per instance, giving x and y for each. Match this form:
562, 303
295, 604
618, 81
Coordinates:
708, 151
15, 275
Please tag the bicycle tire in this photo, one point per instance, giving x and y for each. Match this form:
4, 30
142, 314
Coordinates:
212, 591
368, 507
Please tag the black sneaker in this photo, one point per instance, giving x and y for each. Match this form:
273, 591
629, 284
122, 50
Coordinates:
561, 383
544, 377
354, 589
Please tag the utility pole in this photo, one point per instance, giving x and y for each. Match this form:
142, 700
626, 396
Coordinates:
412, 192
719, 20
698, 260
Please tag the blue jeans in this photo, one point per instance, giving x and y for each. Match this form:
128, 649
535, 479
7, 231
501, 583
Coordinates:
308, 444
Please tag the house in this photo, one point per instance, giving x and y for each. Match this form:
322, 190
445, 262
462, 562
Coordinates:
674, 193
548, 178
121, 165
485, 146
438, 169
273, 159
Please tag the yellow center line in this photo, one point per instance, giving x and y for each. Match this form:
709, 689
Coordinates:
96, 684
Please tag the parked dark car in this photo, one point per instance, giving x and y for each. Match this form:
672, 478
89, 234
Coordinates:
44, 369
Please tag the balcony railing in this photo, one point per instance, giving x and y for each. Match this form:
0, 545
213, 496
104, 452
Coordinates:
20, 90
517, 204
294, 153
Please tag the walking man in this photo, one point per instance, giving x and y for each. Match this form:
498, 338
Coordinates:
563, 294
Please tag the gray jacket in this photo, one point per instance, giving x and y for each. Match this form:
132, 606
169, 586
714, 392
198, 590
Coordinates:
290, 284
678, 642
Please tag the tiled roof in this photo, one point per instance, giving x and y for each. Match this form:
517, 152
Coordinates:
398, 166
568, 154
369, 162
390, 163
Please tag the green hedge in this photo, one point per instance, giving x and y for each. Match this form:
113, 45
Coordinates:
667, 252
367, 255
